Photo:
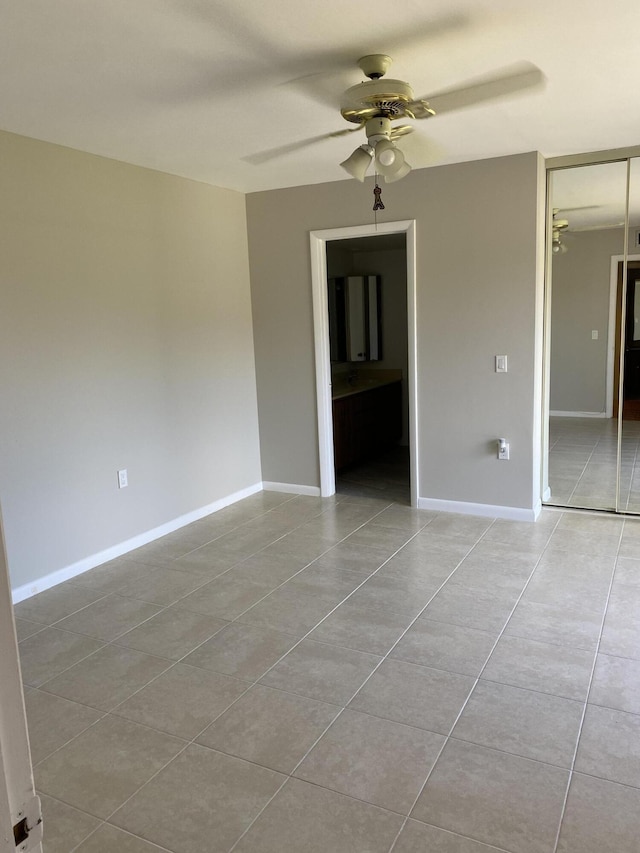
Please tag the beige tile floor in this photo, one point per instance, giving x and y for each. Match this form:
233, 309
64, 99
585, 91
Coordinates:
343, 676
583, 463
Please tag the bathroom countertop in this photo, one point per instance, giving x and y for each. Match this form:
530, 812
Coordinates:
364, 381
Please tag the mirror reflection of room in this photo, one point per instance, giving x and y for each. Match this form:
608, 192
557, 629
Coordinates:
594, 372
368, 335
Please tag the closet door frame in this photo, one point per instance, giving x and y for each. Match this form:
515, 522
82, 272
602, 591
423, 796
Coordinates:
590, 159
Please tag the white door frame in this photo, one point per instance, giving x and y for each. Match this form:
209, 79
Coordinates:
318, 241
18, 800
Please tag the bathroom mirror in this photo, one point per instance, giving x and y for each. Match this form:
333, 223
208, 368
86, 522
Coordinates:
355, 327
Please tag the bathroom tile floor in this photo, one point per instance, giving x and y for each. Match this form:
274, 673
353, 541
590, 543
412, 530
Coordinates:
385, 476
343, 675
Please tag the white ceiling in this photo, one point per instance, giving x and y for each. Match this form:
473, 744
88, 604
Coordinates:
192, 87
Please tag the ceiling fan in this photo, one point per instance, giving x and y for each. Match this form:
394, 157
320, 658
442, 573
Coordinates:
377, 103
373, 106
558, 227
562, 228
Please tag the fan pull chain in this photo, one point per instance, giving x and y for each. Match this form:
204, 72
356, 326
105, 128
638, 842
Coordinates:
378, 205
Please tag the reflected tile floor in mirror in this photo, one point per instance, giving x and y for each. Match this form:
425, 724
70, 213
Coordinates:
583, 460
339, 675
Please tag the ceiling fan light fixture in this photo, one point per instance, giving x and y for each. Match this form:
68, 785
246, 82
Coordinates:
358, 163
402, 171
390, 161
386, 154
559, 226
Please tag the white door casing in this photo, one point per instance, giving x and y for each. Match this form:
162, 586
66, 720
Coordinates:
18, 800
318, 241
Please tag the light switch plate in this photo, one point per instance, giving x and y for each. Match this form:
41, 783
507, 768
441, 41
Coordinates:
501, 364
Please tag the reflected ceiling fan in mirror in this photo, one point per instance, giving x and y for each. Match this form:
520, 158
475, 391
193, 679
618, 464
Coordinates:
558, 227
377, 103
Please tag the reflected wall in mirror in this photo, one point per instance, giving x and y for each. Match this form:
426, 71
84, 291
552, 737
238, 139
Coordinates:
589, 211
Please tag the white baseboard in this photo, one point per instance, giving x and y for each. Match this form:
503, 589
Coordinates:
291, 489
510, 513
75, 569
578, 414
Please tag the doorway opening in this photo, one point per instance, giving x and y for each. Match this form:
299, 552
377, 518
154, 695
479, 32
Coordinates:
364, 284
368, 342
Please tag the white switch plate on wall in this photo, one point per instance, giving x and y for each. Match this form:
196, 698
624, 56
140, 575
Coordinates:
501, 364
123, 479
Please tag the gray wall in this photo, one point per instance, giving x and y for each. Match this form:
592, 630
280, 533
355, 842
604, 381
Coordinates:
125, 342
478, 287
580, 304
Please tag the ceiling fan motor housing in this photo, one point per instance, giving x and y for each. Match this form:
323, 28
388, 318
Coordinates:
376, 97
378, 128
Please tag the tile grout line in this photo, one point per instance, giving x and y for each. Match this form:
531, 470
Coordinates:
344, 707
305, 636
588, 691
633, 470
380, 662
158, 847
172, 664
340, 712
465, 703
193, 740
295, 574
584, 468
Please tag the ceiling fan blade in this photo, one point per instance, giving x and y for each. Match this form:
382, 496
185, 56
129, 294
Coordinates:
290, 147
575, 209
500, 84
603, 227
273, 64
334, 71
322, 87
421, 150
222, 16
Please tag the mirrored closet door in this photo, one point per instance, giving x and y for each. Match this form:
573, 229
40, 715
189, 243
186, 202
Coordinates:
593, 330
629, 355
